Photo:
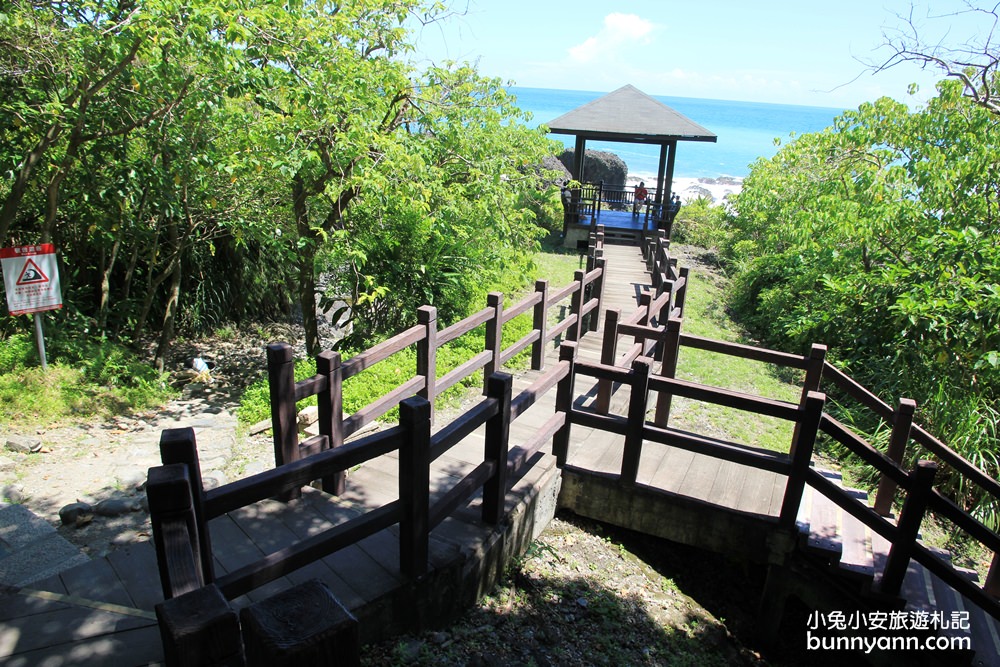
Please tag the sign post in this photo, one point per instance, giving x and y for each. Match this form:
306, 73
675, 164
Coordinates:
31, 280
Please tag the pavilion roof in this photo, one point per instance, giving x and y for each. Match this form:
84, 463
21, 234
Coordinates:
630, 115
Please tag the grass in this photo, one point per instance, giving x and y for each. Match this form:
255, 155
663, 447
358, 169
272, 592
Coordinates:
705, 316
86, 377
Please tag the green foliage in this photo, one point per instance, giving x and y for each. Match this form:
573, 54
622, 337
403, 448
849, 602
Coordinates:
878, 238
700, 223
86, 377
199, 163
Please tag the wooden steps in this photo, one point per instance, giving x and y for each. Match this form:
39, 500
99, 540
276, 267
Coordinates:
855, 553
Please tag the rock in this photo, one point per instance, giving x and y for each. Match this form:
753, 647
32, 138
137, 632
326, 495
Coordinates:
213, 479
76, 514
6, 464
553, 172
21, 444
308, 415
116, 506
132, 478
14, 493
599, 166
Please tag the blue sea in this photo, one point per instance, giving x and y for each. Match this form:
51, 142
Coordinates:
746, 130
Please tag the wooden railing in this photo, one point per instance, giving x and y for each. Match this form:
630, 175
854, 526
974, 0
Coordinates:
634, 369
180, 506
888, 465
584, 205
583, 297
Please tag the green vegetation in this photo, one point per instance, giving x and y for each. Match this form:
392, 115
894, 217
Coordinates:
878, 238
704, 316
199, 164
86, 377
374, 382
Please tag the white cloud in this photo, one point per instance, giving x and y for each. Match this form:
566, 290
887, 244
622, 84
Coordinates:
619, 31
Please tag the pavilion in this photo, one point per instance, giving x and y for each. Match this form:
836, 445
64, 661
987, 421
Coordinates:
629, 115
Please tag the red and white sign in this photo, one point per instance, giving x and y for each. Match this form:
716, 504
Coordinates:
31, 278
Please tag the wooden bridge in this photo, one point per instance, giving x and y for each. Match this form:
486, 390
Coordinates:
407, 526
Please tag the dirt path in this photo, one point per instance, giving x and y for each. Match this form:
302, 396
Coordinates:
102, 463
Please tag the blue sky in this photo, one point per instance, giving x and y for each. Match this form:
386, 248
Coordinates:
782, 51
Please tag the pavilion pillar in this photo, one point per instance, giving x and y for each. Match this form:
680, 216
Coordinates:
671, 157
579, 153
660, 171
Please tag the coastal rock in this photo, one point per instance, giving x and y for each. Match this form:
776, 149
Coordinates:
553, 171
598, 166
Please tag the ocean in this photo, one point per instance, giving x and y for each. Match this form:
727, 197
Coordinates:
746, 130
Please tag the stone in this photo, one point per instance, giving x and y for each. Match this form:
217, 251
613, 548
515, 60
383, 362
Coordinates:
308, 415
14, 493
213, 479
599, 166
6, 464
132, 478
116, 506
76, 514
553, 172
22, 444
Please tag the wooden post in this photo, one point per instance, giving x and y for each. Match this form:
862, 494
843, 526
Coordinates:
494, 336
330, 410
497, 445
813, 379
992, 584
598, 290
609, 353
540, 320
200, 628
302, 625
671, 352
902, 421
576, 304
174, 527
178, 445
681, 294
638, 399
814, 369
284, 426
564, 403
414, 485
427, 354
910, 517
810, 415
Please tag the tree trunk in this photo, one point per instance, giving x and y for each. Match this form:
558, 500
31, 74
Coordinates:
170, 313
306, 260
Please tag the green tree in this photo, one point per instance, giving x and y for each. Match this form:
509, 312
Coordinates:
347, 123
878, 237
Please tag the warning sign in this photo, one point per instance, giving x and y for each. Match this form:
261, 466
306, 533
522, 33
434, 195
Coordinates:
31, 278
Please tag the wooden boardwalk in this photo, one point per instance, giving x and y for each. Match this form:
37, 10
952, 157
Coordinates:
101, 612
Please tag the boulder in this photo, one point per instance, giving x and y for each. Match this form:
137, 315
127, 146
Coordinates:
598, 166
20, 444
76, 514
553, 171
117, 506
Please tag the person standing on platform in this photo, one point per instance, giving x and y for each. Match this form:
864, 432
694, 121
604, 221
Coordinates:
640, 197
